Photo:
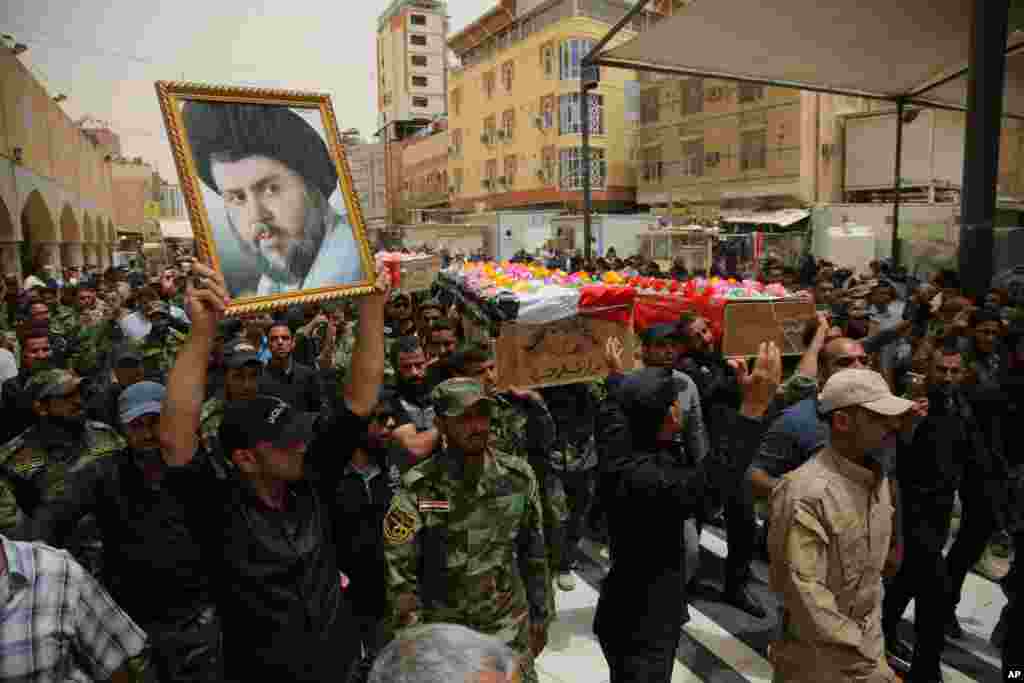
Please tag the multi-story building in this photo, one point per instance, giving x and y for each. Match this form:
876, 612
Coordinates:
56, 200
514, 111
706, 147
368, 165
411, 62
424, 162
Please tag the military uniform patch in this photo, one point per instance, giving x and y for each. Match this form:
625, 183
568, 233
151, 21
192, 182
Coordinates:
398, 526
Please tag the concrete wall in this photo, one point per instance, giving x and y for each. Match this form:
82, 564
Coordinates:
60, 190
933, 151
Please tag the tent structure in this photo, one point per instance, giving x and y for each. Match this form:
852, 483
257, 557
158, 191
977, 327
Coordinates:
910, 52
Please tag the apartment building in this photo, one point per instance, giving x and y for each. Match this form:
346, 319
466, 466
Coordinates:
706, 149
514, 111
424, 161
411, 62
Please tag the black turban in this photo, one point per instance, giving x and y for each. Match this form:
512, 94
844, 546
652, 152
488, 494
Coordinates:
238, 131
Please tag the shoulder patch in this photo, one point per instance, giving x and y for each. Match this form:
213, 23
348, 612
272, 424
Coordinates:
399, 524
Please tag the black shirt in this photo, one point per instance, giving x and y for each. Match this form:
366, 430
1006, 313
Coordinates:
275, 573
299, 386
151, 563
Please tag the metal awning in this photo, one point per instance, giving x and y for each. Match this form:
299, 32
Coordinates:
782, 218
879, 37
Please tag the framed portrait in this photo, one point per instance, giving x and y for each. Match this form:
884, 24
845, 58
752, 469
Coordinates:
269, 193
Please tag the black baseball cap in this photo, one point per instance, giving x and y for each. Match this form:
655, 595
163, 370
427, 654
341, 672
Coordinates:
241, 353
649, 391
264, 419
129, 357
660, 332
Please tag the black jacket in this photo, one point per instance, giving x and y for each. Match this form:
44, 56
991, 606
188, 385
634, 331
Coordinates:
648, 491
103, 406
17, 407
146, 542
300, 388
359, 508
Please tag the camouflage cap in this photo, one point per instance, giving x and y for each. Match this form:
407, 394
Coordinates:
52, 383
454, 397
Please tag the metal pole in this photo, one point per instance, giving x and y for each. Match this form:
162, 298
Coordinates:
897, 183
587, 198
985, 73
585, 122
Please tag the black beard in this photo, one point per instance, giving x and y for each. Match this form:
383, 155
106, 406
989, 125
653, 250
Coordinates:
302, 255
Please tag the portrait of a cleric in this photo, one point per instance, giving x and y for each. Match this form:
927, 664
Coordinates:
269, 181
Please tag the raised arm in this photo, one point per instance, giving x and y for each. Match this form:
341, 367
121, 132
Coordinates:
367, 369
186, 383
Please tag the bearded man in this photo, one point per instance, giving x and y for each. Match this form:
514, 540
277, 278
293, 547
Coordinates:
275, 175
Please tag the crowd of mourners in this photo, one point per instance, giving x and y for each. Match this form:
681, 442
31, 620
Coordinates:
344, 491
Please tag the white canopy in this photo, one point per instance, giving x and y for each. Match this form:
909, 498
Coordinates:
782, 217
871, 48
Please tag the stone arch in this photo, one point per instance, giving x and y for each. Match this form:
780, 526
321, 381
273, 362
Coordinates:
7, 231
71, 231
9, 261
41, 235
88, 229
70, 228
36, 221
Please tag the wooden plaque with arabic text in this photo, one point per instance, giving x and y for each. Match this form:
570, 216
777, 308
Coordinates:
748, 323
562, 352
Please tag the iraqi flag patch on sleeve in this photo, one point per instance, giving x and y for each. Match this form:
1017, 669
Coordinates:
434, 506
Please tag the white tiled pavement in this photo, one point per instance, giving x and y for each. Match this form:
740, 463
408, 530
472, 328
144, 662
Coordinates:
574, 656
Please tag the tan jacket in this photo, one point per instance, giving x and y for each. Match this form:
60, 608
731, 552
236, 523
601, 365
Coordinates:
831, 525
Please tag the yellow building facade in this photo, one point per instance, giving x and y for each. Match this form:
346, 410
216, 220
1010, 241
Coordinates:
56, 186
513, 111
705, 146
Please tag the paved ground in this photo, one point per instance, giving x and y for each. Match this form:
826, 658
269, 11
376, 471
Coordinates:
723, 645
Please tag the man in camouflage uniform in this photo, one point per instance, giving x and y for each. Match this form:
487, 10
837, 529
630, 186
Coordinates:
35, 464
398, 323
522, 426
160, 347
243, 370
464, 540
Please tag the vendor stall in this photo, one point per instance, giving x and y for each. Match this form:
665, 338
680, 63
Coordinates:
691, 245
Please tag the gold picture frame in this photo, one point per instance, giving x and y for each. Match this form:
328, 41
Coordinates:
278, 183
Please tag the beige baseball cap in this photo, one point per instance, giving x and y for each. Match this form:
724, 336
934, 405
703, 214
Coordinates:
864, 388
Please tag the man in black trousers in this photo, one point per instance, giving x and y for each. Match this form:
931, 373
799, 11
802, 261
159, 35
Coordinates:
648, 487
